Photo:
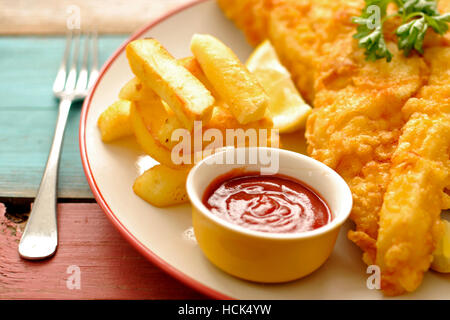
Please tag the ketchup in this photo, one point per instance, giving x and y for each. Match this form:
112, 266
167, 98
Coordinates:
268, 203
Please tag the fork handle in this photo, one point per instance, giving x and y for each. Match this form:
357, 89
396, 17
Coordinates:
40, 237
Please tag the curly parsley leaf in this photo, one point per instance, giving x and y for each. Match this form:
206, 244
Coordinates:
428, 7
370, 31
375, 45
417, 16
439, 24
411, 35
424, 14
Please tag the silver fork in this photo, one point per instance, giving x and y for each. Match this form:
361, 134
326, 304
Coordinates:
40, 237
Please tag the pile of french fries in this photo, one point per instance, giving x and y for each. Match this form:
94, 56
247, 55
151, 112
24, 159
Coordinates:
213, 87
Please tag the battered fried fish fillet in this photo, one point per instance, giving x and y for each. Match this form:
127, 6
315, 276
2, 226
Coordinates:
410, 224
357, 119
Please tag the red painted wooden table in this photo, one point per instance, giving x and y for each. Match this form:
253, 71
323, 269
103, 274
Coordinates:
93, 261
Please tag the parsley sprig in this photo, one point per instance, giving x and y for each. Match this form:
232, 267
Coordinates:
417, 16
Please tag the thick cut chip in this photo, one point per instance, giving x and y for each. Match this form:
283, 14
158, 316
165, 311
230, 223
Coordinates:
157, 69
230, 78
233, 133
114, 122
147, 121
162, 186
135, 90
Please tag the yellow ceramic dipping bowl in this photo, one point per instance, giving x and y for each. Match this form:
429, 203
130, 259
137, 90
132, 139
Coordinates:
264, 256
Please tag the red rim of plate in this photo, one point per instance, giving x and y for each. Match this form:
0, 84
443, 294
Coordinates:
146, 252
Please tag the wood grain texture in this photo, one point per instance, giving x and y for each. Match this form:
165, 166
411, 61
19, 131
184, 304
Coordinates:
29, 65
28, 113
109, 267
49, 16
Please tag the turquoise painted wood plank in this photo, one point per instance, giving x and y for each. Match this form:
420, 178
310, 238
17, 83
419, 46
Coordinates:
28, 114
26, 134
28, 68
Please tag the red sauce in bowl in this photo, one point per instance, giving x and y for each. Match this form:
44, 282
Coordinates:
268, 203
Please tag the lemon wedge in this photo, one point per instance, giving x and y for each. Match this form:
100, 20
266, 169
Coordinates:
287, 108
441, 256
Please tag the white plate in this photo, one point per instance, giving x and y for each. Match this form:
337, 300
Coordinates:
164, 236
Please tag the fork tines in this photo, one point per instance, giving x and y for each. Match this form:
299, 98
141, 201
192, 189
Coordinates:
81, 75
